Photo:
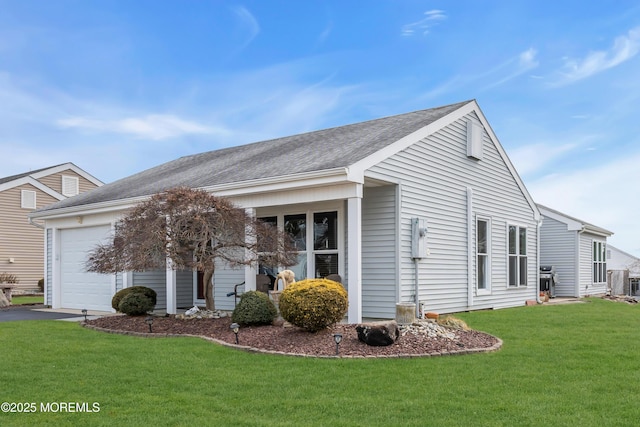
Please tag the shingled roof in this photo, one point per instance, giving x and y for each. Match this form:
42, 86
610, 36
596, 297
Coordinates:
308, 152
23, 175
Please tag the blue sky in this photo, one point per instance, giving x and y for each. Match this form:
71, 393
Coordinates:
120, 86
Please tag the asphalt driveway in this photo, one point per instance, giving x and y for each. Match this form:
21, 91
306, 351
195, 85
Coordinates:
33, 312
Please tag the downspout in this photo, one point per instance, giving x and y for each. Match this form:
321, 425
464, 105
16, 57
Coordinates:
538, 300
577, 260
470, 252
32, 222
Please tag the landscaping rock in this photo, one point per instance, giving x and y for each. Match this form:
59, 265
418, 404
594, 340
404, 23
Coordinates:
202, 314
378, 333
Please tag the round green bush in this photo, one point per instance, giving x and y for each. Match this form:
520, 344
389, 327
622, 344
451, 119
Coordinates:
313, 304
254, 308
135, 304
148, 292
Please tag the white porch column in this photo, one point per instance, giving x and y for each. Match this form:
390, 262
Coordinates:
171, 289
250, 271
354, 257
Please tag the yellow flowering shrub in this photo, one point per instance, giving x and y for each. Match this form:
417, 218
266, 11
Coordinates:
314, 304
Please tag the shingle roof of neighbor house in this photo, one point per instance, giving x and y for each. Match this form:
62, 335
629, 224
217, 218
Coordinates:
22, 175
308, 152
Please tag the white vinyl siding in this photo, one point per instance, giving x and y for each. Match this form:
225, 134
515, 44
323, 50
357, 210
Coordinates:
434, 175
379, 267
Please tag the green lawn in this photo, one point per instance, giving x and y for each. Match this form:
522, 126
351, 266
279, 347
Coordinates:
27, 299
560, 365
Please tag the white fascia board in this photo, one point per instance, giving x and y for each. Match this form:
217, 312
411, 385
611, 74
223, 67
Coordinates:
281, 183
28, 180
236, 189
92, 209
64, 167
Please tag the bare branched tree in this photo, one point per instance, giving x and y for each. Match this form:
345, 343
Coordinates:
193, 229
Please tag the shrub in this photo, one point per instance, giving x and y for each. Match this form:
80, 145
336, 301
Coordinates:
254, 308
148, 292
41, 285
313, 304
135, 304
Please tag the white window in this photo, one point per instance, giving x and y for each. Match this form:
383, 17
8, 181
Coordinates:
317, 240
517, 257
599, 262
70, 185
28, 199
483, 255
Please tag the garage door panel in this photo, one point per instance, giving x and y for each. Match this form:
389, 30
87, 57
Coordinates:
79, 288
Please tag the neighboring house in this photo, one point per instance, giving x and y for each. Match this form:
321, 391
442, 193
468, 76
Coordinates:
21, 243
578, 252
623, 272
350, 196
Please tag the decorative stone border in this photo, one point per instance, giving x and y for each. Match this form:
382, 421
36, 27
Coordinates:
491, 349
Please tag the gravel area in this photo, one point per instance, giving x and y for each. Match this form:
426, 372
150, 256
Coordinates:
414, 341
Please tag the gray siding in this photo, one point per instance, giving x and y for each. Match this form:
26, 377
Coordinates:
156, 280
434, 174
379, 249
119, 284
184, 289
224, 280
558, 248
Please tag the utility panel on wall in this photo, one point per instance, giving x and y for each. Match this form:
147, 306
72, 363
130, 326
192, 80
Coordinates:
418, 238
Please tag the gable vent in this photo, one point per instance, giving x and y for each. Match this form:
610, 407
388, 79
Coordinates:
474, 140
69, 186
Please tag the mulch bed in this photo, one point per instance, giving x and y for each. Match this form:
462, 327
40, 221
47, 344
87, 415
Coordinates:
295, 341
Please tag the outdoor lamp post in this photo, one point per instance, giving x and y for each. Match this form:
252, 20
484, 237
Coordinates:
149, 321
84, 312
338, 339
235, 328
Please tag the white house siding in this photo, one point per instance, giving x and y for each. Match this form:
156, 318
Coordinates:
434, 175
156, 280
558, 248
379, 249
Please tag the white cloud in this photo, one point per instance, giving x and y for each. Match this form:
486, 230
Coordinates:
248, 24
535, 157
431, 18
153, 126
624, 48
606, 195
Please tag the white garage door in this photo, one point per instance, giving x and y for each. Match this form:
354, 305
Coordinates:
80, 289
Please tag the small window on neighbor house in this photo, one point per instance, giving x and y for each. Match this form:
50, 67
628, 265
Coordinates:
70, 186
28, 199
474, 140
